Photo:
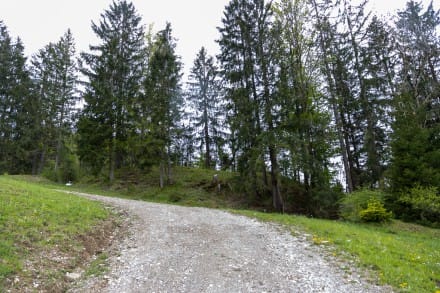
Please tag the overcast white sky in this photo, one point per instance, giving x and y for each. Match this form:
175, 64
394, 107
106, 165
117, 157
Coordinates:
194, 22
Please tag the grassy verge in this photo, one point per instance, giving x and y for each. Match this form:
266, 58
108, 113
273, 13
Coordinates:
190, 187
41, 233
403, 255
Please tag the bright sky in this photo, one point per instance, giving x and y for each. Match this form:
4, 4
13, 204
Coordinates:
194, 22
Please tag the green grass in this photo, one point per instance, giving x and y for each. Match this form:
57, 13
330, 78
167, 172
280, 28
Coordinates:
403, 255
35, 218
190, 187
406, 256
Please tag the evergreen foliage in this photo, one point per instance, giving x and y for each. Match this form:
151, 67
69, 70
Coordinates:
54, 73
19, 127
163, 99
375, 212
115, 72
301, 91
206, 110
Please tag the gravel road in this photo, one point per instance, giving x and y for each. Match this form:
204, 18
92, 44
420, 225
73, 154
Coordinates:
180, 249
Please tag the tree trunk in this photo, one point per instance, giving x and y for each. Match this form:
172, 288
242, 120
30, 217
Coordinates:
112, 162
161, 174
334, 105
278, 203
42, 160
207, 140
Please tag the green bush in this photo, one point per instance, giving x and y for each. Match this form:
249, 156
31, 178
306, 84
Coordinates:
424, 201
68, 169
375, 212
352, 204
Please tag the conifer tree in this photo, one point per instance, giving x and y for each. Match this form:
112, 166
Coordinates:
203, 97
18, 108
416, 126
163, 98
115, 72
247, 58
54, 73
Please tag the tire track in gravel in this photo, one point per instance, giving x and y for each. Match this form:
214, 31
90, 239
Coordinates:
183, 249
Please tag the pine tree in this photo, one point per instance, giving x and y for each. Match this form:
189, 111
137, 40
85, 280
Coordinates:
328, 47
114, 69
353, 87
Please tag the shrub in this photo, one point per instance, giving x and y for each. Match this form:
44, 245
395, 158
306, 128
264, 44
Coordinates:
375, 212
425, 201
325, 203
352, 204
68, 169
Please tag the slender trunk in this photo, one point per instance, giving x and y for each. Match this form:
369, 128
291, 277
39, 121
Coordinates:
42, 161
372, 158
169, 165
278, 203
333, 102
59, 140
112, 158
161, 174
207, 140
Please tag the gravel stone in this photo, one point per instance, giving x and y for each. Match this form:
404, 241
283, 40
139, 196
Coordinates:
185, 249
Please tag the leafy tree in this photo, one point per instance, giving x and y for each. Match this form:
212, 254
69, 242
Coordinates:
115, 72
303, 116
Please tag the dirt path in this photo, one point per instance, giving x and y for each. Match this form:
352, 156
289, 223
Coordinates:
180, 249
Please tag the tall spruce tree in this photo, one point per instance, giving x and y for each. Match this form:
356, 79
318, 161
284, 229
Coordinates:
380, 85
416, 126
115, 72
163, 98
353, 87
326, 40
18, 108
203, 97
247, 58
54, 73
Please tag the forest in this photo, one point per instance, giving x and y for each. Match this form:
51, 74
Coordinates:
309, 102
